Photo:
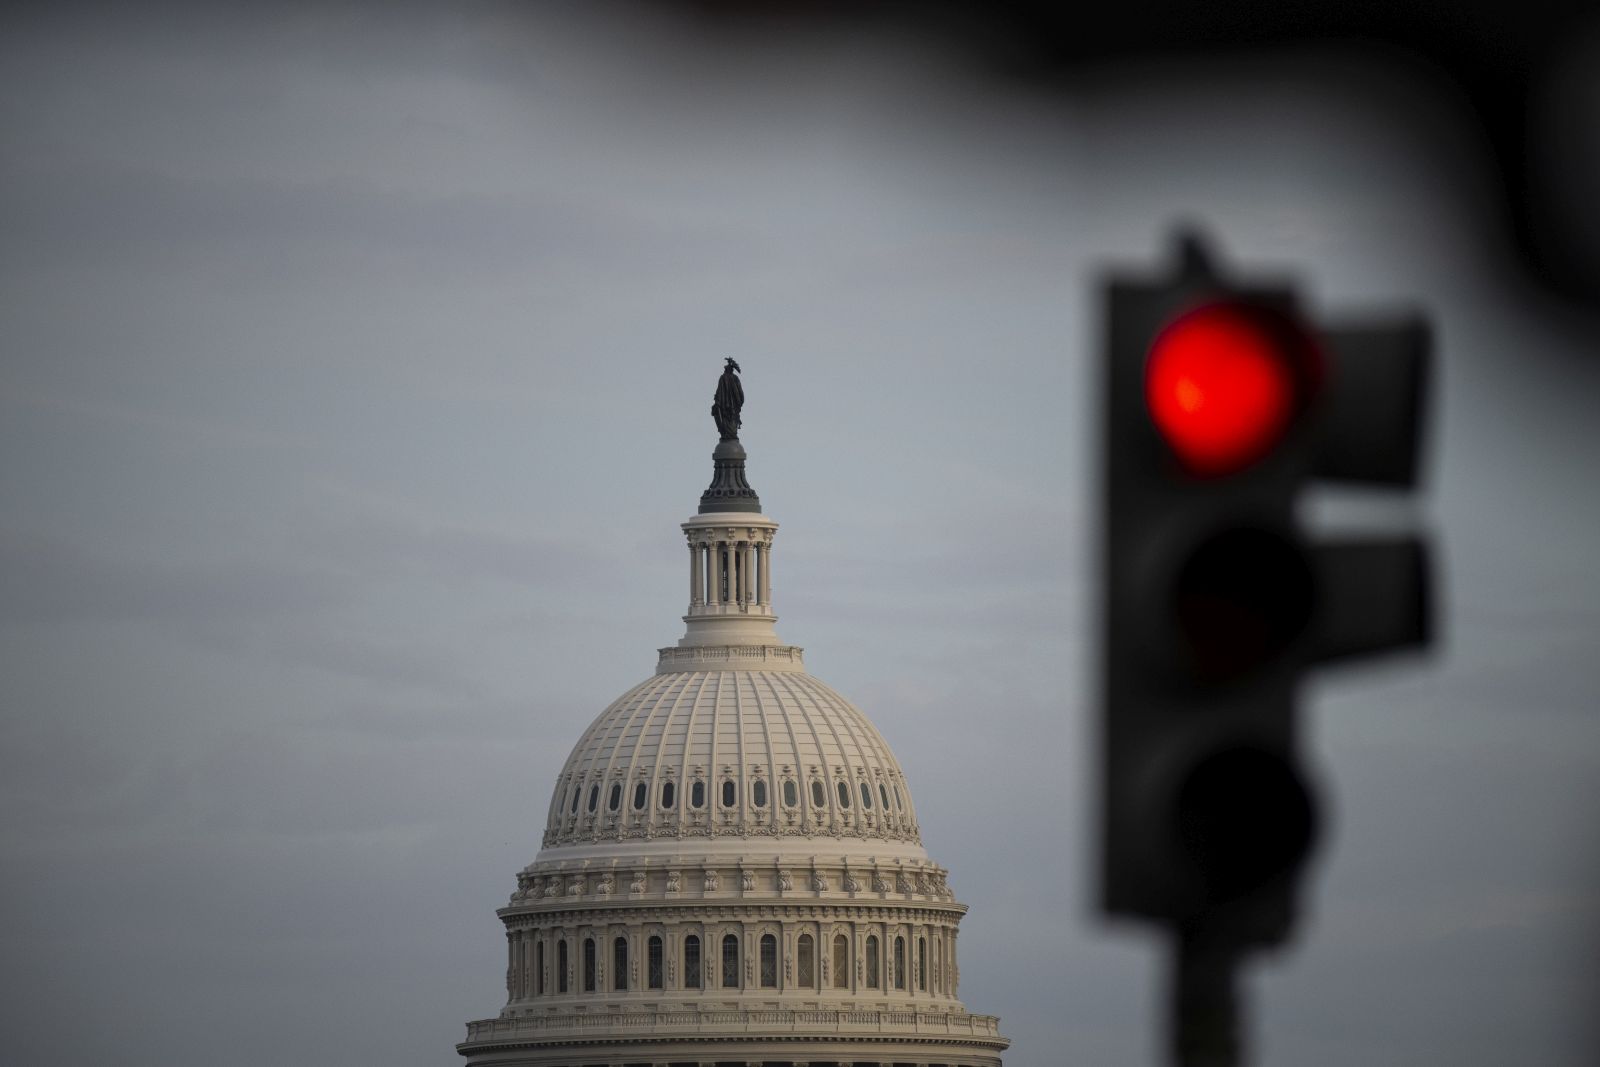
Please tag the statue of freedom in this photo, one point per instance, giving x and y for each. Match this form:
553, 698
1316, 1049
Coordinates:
729, 399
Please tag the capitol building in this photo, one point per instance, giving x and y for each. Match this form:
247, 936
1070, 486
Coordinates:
731, 870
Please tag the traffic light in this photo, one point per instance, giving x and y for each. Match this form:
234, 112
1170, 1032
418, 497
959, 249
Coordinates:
1222, 402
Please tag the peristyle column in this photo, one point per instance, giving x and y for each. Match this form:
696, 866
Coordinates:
747, 585
697, 585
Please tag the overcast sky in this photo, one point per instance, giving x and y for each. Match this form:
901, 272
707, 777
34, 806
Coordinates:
354, 376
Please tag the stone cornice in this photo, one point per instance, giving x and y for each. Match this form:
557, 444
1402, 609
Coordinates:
545, 885
911, 1027
631, 912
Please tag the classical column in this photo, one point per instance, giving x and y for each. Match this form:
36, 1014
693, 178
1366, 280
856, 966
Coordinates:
714, 561
524, 973
747, 585
955, 972
766, 575
525, 965
697, 582
511, 964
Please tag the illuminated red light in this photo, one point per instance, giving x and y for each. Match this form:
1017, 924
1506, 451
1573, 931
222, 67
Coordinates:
1223, 384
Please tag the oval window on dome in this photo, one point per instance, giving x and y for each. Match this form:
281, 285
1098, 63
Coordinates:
697, 794
866, 797
791, 795
844, 794
668, 795
577, 791
615, 800
899, 799
641, 794
730, 793
883, 795
819, 798
758, 793
594, 797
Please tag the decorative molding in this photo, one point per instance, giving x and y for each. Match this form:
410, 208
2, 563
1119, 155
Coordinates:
909, 1025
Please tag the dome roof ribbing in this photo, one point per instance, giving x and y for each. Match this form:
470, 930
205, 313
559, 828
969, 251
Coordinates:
731, 753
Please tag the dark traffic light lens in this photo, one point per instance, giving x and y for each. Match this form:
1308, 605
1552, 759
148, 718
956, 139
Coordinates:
1245, 818
1241, 598
1224, 382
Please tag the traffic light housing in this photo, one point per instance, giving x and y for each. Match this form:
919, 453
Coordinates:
1222, 402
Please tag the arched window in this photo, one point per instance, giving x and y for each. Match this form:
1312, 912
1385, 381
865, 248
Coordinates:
561, 966
697, 794
577, 791
691, 962
841, 962
538, 968
730, 793
872, 961
922, 964
866, 797
730, 962
805, 963
883, 795
844, 795
619, 963
594, 797
791, 795
899, 963
899, 799
819, 798
669, 794
758, 793
654, 953
615, 801
641, 794
769, 962
588, 964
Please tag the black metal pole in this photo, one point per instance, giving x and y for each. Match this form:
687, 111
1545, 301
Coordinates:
1205, 1001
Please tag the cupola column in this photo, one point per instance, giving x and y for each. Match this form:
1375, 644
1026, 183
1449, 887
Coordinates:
747, 585
697, 578
764, 550
714, 587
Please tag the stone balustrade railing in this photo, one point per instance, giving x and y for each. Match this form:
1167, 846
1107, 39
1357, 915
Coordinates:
747, 656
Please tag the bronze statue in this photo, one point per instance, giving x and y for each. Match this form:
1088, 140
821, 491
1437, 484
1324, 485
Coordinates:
729, 399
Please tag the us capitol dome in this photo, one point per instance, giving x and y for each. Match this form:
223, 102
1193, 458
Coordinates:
731, 868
